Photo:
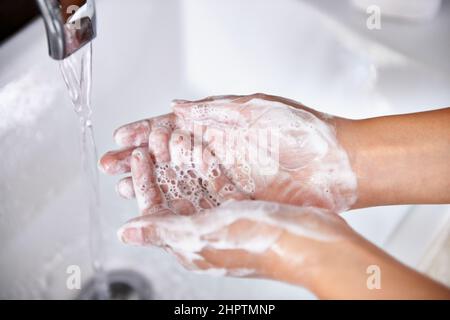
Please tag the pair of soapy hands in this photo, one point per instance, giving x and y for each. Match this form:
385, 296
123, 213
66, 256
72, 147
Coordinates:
236, 185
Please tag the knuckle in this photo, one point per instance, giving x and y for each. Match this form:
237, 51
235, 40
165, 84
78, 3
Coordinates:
258, 95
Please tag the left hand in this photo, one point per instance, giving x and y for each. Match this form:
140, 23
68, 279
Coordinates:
309, 247
245, 239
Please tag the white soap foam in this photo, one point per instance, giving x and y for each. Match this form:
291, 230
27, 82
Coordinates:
188, 236
183, 181
307, 151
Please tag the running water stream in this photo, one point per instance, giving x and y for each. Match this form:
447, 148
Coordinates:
77, 74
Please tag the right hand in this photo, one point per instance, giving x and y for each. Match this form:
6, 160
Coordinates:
298, 162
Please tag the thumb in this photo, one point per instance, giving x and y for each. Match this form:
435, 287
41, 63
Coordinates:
166, 229
220, 227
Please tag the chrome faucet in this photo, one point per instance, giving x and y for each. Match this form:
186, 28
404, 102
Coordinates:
70, 24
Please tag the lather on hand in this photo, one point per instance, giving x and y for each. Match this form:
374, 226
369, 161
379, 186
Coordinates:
338, 164
262, 147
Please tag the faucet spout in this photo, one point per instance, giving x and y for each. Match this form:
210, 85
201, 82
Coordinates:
69, 24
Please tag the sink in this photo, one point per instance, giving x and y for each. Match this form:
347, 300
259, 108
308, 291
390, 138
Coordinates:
147, 53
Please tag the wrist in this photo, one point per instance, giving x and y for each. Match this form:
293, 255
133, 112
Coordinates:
304, 263
345, 275
401, 159
371, 159
363, 271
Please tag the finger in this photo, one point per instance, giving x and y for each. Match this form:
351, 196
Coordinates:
230, 109
183, 207
116, 162
232, 240
224, 187
137, 133
209, 111
217, 98
181, 148
162, 230
212, 169
194, 233
158, 144
148, 194
125, 188
181, 145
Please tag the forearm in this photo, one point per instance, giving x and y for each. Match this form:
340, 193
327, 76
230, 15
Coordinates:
363, 271
359, 271
401, 159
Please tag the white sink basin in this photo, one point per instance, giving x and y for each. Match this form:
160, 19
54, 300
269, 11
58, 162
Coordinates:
146, 53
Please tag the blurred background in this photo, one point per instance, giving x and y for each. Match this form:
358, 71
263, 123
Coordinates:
330, 55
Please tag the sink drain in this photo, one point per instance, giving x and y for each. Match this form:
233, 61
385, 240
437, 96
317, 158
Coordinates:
122, 285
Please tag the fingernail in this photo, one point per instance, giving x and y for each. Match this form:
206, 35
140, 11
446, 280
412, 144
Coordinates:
104, 162
113, 163
100, 166
132, 133
131, 235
